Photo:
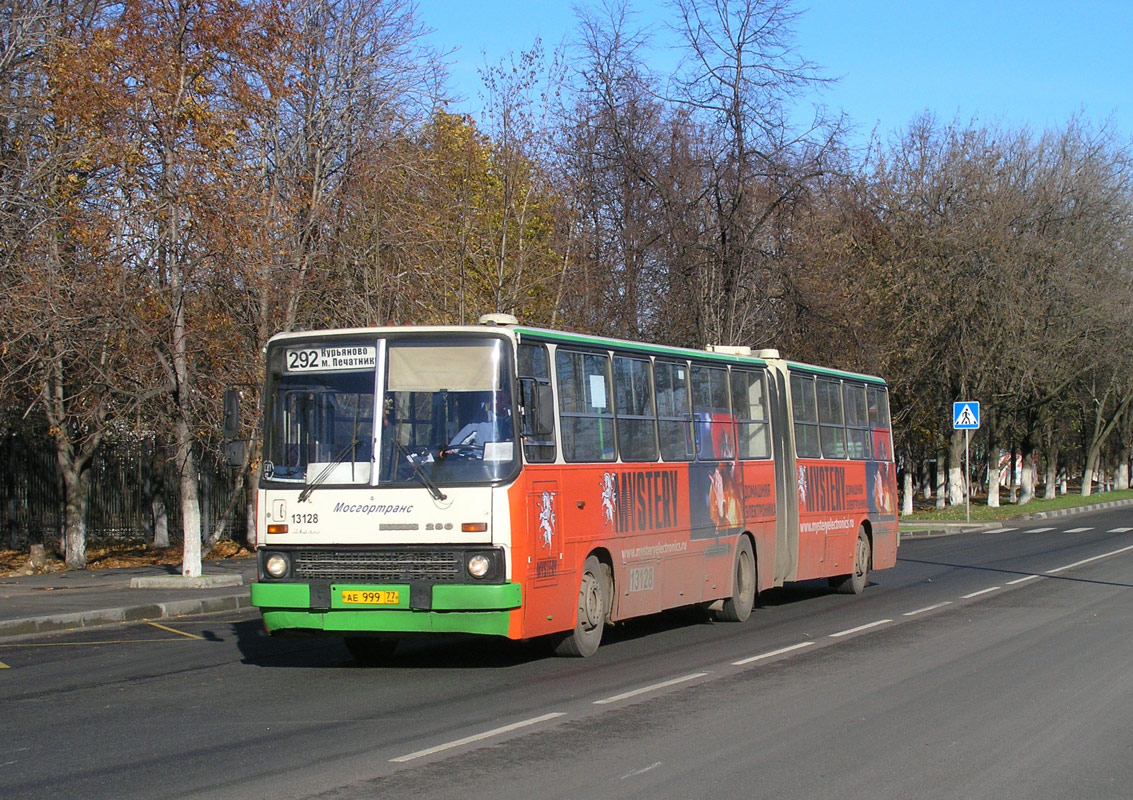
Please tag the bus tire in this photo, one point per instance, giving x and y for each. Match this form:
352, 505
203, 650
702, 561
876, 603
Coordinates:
737, 608
856, 581
370, 651
593, 607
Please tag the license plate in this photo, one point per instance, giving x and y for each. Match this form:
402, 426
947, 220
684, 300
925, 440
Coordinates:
379, 597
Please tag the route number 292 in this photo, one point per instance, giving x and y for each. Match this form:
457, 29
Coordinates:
302, 359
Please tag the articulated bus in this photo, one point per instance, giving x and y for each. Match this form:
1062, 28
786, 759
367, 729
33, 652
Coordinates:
520, 482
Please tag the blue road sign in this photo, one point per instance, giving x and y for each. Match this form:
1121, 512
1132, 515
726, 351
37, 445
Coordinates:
966, 415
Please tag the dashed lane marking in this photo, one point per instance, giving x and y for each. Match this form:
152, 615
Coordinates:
4, 666
1024, 579
1039, 530
1119, 530
1057, 570
927, 608
866, 627
1000, 530
981, 591
651, 688
772, 654
1077, 530
479, 737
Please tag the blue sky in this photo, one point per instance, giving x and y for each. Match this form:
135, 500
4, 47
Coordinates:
1032, 64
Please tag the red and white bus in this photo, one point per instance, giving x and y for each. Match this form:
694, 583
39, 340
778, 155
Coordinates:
521, 482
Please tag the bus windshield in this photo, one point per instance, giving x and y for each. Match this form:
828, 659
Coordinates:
446, 414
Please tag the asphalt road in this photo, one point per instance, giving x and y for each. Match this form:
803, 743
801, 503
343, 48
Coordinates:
988, 665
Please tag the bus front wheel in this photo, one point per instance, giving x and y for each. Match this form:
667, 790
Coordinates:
737, 608
593, 606
856, 581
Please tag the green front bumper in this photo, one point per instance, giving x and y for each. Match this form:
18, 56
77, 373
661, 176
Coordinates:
458, 608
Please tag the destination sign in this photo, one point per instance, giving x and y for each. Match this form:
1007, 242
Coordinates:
327, 358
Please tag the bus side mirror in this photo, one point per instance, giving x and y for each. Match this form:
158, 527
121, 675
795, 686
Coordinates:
235, 452
231, 413
544, 410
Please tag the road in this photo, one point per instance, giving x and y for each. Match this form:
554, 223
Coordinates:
988, 665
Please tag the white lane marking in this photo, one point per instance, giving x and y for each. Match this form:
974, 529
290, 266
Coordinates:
641, 771
440, 748
981, 591
1119, 530
651, 688
1000, 530
1038, 530
927, 608
1077, 530
1024, 579
865, 627
1089, 560
772, 654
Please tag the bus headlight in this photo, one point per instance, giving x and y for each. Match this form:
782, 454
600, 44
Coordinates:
277, 565
478, 565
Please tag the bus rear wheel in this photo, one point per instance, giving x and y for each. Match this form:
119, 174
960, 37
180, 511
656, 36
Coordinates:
593, 606
370, 651
856, 581
737, 608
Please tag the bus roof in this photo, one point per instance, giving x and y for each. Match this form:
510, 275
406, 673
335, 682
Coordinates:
521, 332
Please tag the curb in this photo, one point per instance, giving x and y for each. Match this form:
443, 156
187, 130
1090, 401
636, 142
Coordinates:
955, 528
105, 616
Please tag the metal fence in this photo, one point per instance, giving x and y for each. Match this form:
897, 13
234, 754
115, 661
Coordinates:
133, 485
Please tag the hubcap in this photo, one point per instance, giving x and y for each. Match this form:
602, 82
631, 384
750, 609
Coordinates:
590, 611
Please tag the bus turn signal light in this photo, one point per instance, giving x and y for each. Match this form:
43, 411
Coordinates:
474, 527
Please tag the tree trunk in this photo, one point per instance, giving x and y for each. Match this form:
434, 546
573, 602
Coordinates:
992, 461
908, 490
1027, 475
957, 481
76, 484
1050, 489
1121, 469
941, 478
190, 500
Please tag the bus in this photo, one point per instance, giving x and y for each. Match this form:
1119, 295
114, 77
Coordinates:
521, 482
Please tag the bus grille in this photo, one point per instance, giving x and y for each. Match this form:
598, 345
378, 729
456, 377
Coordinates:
378, 566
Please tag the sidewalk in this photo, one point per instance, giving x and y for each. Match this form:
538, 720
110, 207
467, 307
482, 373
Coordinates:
86, 598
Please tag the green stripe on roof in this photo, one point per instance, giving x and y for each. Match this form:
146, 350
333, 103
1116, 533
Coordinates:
684, 352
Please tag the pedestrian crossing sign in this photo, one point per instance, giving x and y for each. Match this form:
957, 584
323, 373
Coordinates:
966, 415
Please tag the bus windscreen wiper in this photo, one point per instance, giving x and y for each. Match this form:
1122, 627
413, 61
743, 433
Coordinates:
426, 481
328, 469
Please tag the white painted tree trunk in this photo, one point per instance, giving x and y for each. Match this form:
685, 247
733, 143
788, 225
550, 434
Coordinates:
941, 479
190, 502
1051, 484
909, 489
956, 483
1027, 480
993, 480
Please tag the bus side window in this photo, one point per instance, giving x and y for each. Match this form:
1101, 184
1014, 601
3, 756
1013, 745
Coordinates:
831, 425
536, 404
674, 413
805, 412
586, 416
633, 404
710, 407
879, 423
749, 404
857, 420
